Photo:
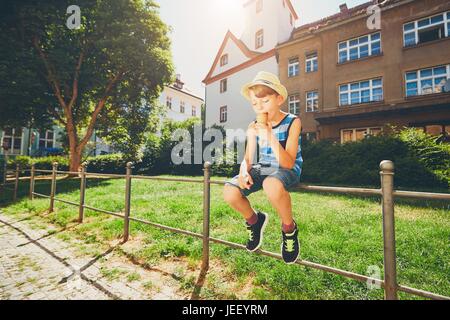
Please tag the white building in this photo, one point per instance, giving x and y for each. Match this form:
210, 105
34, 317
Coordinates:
181, 102
268, 22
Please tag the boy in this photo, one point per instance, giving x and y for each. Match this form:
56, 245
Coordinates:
279, 166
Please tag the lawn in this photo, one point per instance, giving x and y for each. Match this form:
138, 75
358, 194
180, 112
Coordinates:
341, 231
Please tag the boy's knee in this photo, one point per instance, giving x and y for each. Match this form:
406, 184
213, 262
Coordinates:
231, 193
273, 187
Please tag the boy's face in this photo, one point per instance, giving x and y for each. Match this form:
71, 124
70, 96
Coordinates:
270, 103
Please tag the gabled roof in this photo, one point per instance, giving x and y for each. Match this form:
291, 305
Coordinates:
244, 49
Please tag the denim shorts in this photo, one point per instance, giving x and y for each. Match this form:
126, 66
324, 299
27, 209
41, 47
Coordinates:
259, 172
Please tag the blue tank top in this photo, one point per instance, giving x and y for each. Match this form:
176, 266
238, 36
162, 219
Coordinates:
281, 132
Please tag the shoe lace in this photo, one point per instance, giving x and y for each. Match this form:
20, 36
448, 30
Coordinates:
250, 234
289, 245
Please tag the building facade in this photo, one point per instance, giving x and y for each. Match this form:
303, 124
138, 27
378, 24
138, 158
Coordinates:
181, 103
346, 80
238, 60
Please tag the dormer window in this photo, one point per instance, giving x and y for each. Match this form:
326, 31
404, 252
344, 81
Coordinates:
224, 60
259, 39
259, 6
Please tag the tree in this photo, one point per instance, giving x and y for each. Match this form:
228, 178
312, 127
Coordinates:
98, 74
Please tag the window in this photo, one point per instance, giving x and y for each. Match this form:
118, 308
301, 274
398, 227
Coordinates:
12, 139
425, 30
224, 60
311, 63
293, 67
259, 39
294, 104
309, 136
182, 106
46, 139
223, 85
361, 92
426, 81
194, 111
223, 114
259, 6
169, 102
312, 101
368, 45
349, 135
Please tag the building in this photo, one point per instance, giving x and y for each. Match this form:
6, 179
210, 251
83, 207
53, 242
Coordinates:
180, 101
25, 141
238, 60
181, 104
347, 80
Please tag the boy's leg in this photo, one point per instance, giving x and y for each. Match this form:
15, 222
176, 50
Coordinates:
275, 186
280, 199
238, 202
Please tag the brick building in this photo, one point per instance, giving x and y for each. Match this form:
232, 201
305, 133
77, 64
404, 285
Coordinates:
347, 79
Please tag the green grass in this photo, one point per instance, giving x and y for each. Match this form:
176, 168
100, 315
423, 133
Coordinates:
341, 231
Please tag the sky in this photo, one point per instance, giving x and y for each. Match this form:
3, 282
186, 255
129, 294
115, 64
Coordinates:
199, 27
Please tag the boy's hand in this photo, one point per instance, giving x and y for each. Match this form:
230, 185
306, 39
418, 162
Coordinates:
245, 180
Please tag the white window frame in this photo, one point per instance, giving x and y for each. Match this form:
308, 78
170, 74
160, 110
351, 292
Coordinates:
416, 29
348, 47
194, 111
419, 80
259, 39
182, 107
46, 139
309, 64
13, 137
223, 114
294, 104
349, 91
224, 60
354, 132
169, 102
312, 101
293, 67
223, 85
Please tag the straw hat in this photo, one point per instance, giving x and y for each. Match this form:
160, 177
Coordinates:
266, 79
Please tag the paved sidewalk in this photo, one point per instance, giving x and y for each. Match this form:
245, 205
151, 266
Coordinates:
36, 265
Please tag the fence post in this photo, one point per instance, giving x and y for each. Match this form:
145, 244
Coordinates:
206, 214
53, 188
33, 168
82, 192
16, 182
126, 225
390, 268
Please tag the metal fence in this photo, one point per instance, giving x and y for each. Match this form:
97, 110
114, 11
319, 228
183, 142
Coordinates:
387, 193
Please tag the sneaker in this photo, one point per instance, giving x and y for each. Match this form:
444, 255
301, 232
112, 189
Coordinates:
255, 232
290, 247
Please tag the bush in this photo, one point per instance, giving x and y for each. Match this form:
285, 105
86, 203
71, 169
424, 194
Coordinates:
111, 163
420, 162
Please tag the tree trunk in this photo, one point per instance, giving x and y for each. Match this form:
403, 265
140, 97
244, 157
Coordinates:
74, 160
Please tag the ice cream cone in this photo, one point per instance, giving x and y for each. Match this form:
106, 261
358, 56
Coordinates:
262, 118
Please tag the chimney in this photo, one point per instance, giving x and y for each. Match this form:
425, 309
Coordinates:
343, 7
178, 83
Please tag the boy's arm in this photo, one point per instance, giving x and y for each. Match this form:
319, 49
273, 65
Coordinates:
251, 146
287, 157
